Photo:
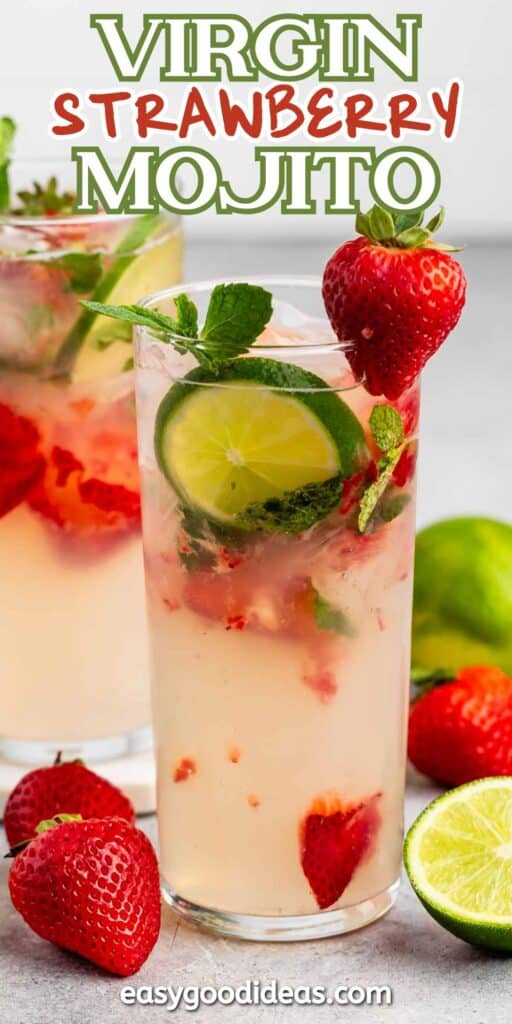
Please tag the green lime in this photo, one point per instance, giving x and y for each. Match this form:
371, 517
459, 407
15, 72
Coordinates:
104, 351
259, 430
458, 855
463, 595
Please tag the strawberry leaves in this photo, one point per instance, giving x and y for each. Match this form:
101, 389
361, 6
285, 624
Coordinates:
401, 230
387, 430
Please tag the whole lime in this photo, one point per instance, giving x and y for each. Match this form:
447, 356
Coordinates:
463, 595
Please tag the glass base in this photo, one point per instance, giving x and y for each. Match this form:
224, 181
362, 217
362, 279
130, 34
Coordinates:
41, 752
259, 928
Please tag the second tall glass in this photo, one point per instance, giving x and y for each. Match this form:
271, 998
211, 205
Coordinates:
72, 638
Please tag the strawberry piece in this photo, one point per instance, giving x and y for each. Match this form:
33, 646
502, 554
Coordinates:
334, 840
20, 461
74, 501
91, 887
395, 300
62, 788
461, 730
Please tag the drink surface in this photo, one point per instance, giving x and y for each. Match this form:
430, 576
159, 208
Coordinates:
72, 639
280, 656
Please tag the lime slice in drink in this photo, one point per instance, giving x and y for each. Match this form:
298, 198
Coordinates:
260, 430
458, 855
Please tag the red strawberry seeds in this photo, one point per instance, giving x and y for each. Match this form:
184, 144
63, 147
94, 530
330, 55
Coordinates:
91, 887
394, 299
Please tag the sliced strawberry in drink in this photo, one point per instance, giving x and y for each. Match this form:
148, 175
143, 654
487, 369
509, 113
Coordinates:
21, 464
335, 838
74, 500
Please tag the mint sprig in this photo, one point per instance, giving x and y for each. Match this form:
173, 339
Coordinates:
7, 133
387, 430
236, 316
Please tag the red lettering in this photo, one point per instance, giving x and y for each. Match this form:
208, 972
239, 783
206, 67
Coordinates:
195, 112
108, 101
357, 107
447, 111
148, 107
235, 117
74, 123
319, 113
277, 106
401, 106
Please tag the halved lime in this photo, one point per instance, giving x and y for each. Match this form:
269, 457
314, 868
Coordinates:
458, 855
261, 429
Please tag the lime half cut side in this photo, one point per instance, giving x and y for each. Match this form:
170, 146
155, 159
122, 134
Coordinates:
258, 431
458, 855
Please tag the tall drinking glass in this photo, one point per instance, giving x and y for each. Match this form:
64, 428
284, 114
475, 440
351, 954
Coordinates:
279, 627
73, 664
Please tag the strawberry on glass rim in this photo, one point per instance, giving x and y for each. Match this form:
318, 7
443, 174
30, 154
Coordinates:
393, 295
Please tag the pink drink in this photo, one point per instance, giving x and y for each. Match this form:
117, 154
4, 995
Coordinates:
73, 656
280, 675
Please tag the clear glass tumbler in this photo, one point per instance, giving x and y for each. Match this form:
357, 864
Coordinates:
280, 653
73, 658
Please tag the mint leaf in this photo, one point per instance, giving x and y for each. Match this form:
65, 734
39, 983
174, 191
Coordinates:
386, 427
331, 618
157, 322
295, 511
84, 268
186, 316
237, 314
7, 133
375, 491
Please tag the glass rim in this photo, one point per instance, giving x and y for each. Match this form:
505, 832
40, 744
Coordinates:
265, 281
172, 224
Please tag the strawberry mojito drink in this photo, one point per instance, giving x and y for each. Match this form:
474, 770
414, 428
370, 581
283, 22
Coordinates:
72, 648
278, 474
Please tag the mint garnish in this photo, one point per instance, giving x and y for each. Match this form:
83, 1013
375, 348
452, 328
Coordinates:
388, 433
295, 511
84, 270
329, 617
186, 316
386, 427
7, 133
236, 316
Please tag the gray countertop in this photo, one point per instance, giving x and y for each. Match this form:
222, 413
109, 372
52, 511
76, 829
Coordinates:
435, 978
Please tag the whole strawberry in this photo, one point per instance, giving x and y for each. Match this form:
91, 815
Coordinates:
91, 887
63, 788
395, 296
461, 730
